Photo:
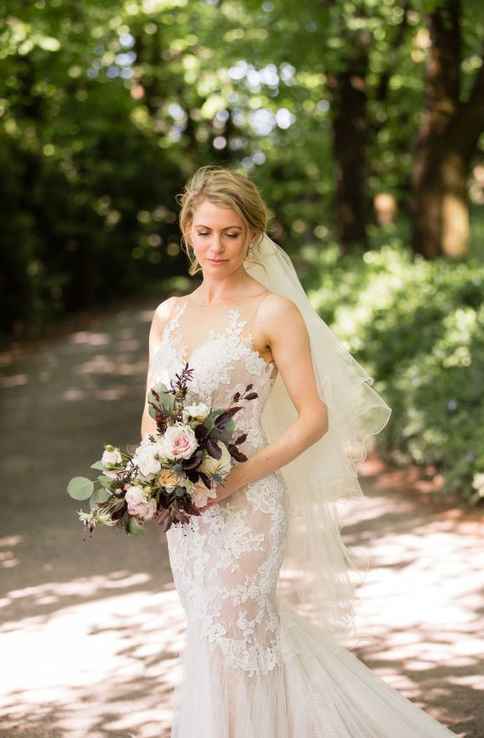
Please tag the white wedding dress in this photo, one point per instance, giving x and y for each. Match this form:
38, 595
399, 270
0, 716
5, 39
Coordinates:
251, 667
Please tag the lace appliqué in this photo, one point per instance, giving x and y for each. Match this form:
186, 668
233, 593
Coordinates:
226, 565
226, 562
213, 359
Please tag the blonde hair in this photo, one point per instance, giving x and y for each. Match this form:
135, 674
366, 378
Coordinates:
227, 188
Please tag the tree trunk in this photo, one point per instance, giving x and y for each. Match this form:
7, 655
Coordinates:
446, 142
441, 211
350, 141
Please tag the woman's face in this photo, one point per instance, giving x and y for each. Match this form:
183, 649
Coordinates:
218, 238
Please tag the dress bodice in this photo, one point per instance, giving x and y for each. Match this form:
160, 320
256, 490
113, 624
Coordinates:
225, 561
217, 343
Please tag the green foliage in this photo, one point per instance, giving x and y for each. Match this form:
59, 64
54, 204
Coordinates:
80, 488
106, 109
418, 327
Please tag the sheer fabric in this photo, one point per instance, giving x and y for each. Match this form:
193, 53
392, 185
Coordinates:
254, 668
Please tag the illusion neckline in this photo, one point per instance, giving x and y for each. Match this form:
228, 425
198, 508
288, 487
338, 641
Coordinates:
182, 351
186, 300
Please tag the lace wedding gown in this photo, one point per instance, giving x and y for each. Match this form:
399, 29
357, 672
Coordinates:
252, 668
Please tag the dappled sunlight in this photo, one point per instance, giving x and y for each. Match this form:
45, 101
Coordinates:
420, 600
92, 632
111, 393
99, 667
8, 556
57, 593
73, 394
102, 364
421, 603
90, 338
14, 380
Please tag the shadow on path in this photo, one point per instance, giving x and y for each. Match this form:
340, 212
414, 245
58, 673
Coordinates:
92, 630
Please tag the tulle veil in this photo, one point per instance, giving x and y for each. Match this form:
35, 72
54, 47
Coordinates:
320, 573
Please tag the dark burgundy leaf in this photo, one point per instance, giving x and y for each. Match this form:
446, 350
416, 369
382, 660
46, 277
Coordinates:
119, 512
201, 432
224, 418
235, 453
213, 449
193, 475
206, 480
194, 460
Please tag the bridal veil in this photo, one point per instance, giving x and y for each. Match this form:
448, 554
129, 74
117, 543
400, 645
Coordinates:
318, 573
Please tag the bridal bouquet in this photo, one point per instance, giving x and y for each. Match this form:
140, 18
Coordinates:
173, 472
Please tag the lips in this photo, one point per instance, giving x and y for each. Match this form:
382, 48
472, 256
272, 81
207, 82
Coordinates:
217, 261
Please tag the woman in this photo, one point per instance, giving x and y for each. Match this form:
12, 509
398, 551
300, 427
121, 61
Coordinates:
253, 667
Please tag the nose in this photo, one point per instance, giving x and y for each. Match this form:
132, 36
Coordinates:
216, 245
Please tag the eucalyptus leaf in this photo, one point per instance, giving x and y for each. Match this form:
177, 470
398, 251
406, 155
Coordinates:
105, 481
101, 494
134, 527
230, 426
167, 402
160, 388
209, 421
80, 488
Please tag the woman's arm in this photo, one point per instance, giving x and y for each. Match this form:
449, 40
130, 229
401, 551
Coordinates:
287, 335
158, 322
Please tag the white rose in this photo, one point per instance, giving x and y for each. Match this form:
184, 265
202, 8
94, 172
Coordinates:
111, 456
178, 442
221, 466
197, 412
146, 458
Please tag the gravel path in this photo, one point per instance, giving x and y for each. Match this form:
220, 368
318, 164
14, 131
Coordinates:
91, 631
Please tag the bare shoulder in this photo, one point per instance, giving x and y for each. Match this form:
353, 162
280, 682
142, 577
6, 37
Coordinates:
279, 319
161, 315
276, 308
164, 309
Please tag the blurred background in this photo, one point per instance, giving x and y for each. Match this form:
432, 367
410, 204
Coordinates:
362, 124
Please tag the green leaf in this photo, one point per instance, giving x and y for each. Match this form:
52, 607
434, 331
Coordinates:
134, 527
97, 465
80, 488
100, 494
105, 481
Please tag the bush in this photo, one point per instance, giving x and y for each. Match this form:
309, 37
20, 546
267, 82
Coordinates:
418, 327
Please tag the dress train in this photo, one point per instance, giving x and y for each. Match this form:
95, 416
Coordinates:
319, 690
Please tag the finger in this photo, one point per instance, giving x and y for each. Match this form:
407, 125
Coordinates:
209, 504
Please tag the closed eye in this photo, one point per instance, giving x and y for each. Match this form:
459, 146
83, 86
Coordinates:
230, 235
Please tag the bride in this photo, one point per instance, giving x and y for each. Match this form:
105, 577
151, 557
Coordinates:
264, 660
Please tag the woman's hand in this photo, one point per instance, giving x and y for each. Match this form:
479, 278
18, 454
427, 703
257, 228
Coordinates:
221, 493
240, 475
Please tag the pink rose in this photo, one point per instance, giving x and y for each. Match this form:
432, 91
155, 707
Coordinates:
138, 504
178, 442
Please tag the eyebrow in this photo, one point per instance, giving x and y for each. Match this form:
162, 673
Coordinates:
200, 225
